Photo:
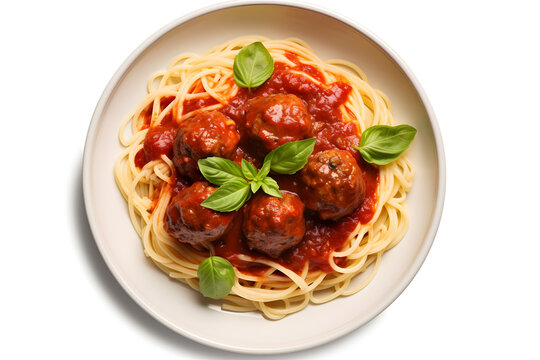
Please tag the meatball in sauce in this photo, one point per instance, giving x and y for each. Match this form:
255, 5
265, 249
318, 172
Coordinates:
205, 134
277, 119
272, 225
334, 186
189, 222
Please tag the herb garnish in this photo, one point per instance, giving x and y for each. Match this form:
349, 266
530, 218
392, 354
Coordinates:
382, 144
216, 277
238, 183
253, 65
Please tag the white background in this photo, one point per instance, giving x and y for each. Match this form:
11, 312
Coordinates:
478, 292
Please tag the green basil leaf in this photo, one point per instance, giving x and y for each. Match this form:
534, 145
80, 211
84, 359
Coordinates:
382, 144
291, 157
265, 169
255, 185
252, 66
229, 196
249, 171
270, 187
216, 277
218, 170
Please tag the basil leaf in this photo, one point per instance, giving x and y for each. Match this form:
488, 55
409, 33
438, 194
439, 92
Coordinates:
265, 169
382, 144
252, 66
218, 170
291, 157
255, 185
216, 277
229, 196
249, 171
270, 187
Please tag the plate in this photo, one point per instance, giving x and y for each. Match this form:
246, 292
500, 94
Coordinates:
179, 307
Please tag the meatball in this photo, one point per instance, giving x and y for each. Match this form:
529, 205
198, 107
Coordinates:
158, 140
272, 225
334, 186
206, 134
189, 222
277, 119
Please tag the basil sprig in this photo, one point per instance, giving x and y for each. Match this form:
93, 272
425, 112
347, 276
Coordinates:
216, 277
382, 144
253, 65
238, 183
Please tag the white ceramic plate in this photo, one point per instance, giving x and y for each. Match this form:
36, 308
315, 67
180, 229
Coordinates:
183, 309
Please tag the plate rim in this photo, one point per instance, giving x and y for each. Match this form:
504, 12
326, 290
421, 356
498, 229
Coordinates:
117, 77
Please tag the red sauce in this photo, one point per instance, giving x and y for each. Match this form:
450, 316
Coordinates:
159, 139
195, 104
308, 69
330, 130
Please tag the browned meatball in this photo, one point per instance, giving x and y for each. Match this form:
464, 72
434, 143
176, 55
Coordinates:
273, 225
277, 119
158, 140
206, 134
189, 222
334, 186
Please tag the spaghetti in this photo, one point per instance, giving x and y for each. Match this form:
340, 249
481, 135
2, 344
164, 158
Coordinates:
147, 179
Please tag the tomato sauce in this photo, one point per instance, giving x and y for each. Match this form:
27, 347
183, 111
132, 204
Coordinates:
160, 138
198, 103
331, 131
